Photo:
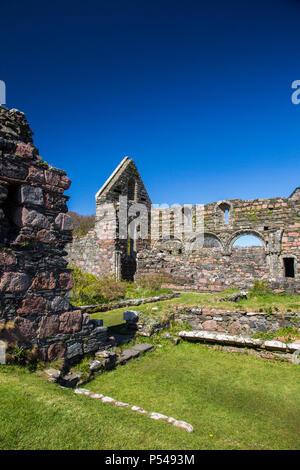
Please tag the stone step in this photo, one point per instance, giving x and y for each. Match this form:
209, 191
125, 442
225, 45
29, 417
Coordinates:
134, 352
143, 347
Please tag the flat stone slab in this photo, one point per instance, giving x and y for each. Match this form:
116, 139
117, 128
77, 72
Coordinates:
129, 354
238, 340
143, 347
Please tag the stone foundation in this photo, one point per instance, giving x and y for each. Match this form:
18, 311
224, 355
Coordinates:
240, 322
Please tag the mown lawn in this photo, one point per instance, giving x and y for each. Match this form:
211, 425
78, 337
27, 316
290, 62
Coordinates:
234, 401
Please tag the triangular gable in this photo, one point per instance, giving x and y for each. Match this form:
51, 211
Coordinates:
120, 177
117, 172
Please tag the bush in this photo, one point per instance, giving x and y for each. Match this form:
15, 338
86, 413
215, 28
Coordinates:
154, 282
89, 289
260, 288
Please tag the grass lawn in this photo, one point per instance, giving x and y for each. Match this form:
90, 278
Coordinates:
234, 401
260, 303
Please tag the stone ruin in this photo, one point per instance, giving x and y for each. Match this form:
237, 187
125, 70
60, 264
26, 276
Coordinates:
215, 265
34, 229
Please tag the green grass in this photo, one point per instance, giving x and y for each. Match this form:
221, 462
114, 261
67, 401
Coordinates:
260, 303
242, 401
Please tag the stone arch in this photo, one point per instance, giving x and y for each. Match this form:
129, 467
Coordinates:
241, 233
170, 246
192, 243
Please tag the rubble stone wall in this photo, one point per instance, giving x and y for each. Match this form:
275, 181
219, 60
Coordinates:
167, 248
218, 263
239, 322
34, 278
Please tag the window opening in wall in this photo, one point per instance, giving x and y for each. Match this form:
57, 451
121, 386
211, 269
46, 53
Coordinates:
160, 225
172, 225
131, 190
247, 241
226, 213
289, 267
224, 207
8, 229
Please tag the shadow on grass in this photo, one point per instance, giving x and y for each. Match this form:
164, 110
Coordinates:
121, 333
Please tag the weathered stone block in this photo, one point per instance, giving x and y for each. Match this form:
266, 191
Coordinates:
31, 218
32, 305
64, 222
44, 281
65, 281
210, 325
48, 327
24, 328
70, 322
31, 195
56, 351
14, 282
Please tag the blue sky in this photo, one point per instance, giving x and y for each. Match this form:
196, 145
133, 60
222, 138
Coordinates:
197, 92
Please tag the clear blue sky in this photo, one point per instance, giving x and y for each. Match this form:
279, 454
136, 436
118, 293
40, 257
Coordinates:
197, 92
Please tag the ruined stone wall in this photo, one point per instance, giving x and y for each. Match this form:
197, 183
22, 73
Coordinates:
238, 322
111, 248
217, 265
208, 269
169, 247
34, 278
92, 255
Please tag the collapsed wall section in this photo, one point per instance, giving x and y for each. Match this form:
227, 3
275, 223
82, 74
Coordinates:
34, 278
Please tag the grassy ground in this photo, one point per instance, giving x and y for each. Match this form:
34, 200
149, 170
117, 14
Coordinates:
233, 401
255, 303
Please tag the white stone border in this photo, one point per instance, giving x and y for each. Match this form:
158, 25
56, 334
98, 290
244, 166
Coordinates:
225, 338
156, 416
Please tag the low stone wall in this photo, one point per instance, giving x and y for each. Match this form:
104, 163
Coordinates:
125, 303
239, 322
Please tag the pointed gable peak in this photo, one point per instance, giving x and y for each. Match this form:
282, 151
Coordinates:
124, 180
116, 173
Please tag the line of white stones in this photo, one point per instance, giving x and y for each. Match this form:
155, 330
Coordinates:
157, 416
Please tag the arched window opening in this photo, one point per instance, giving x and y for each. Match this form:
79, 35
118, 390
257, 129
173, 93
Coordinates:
160, 225
224, 212
247, 241
289, 267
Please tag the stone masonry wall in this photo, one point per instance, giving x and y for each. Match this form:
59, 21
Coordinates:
34, 278
239, 322
218, 264
109, 249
